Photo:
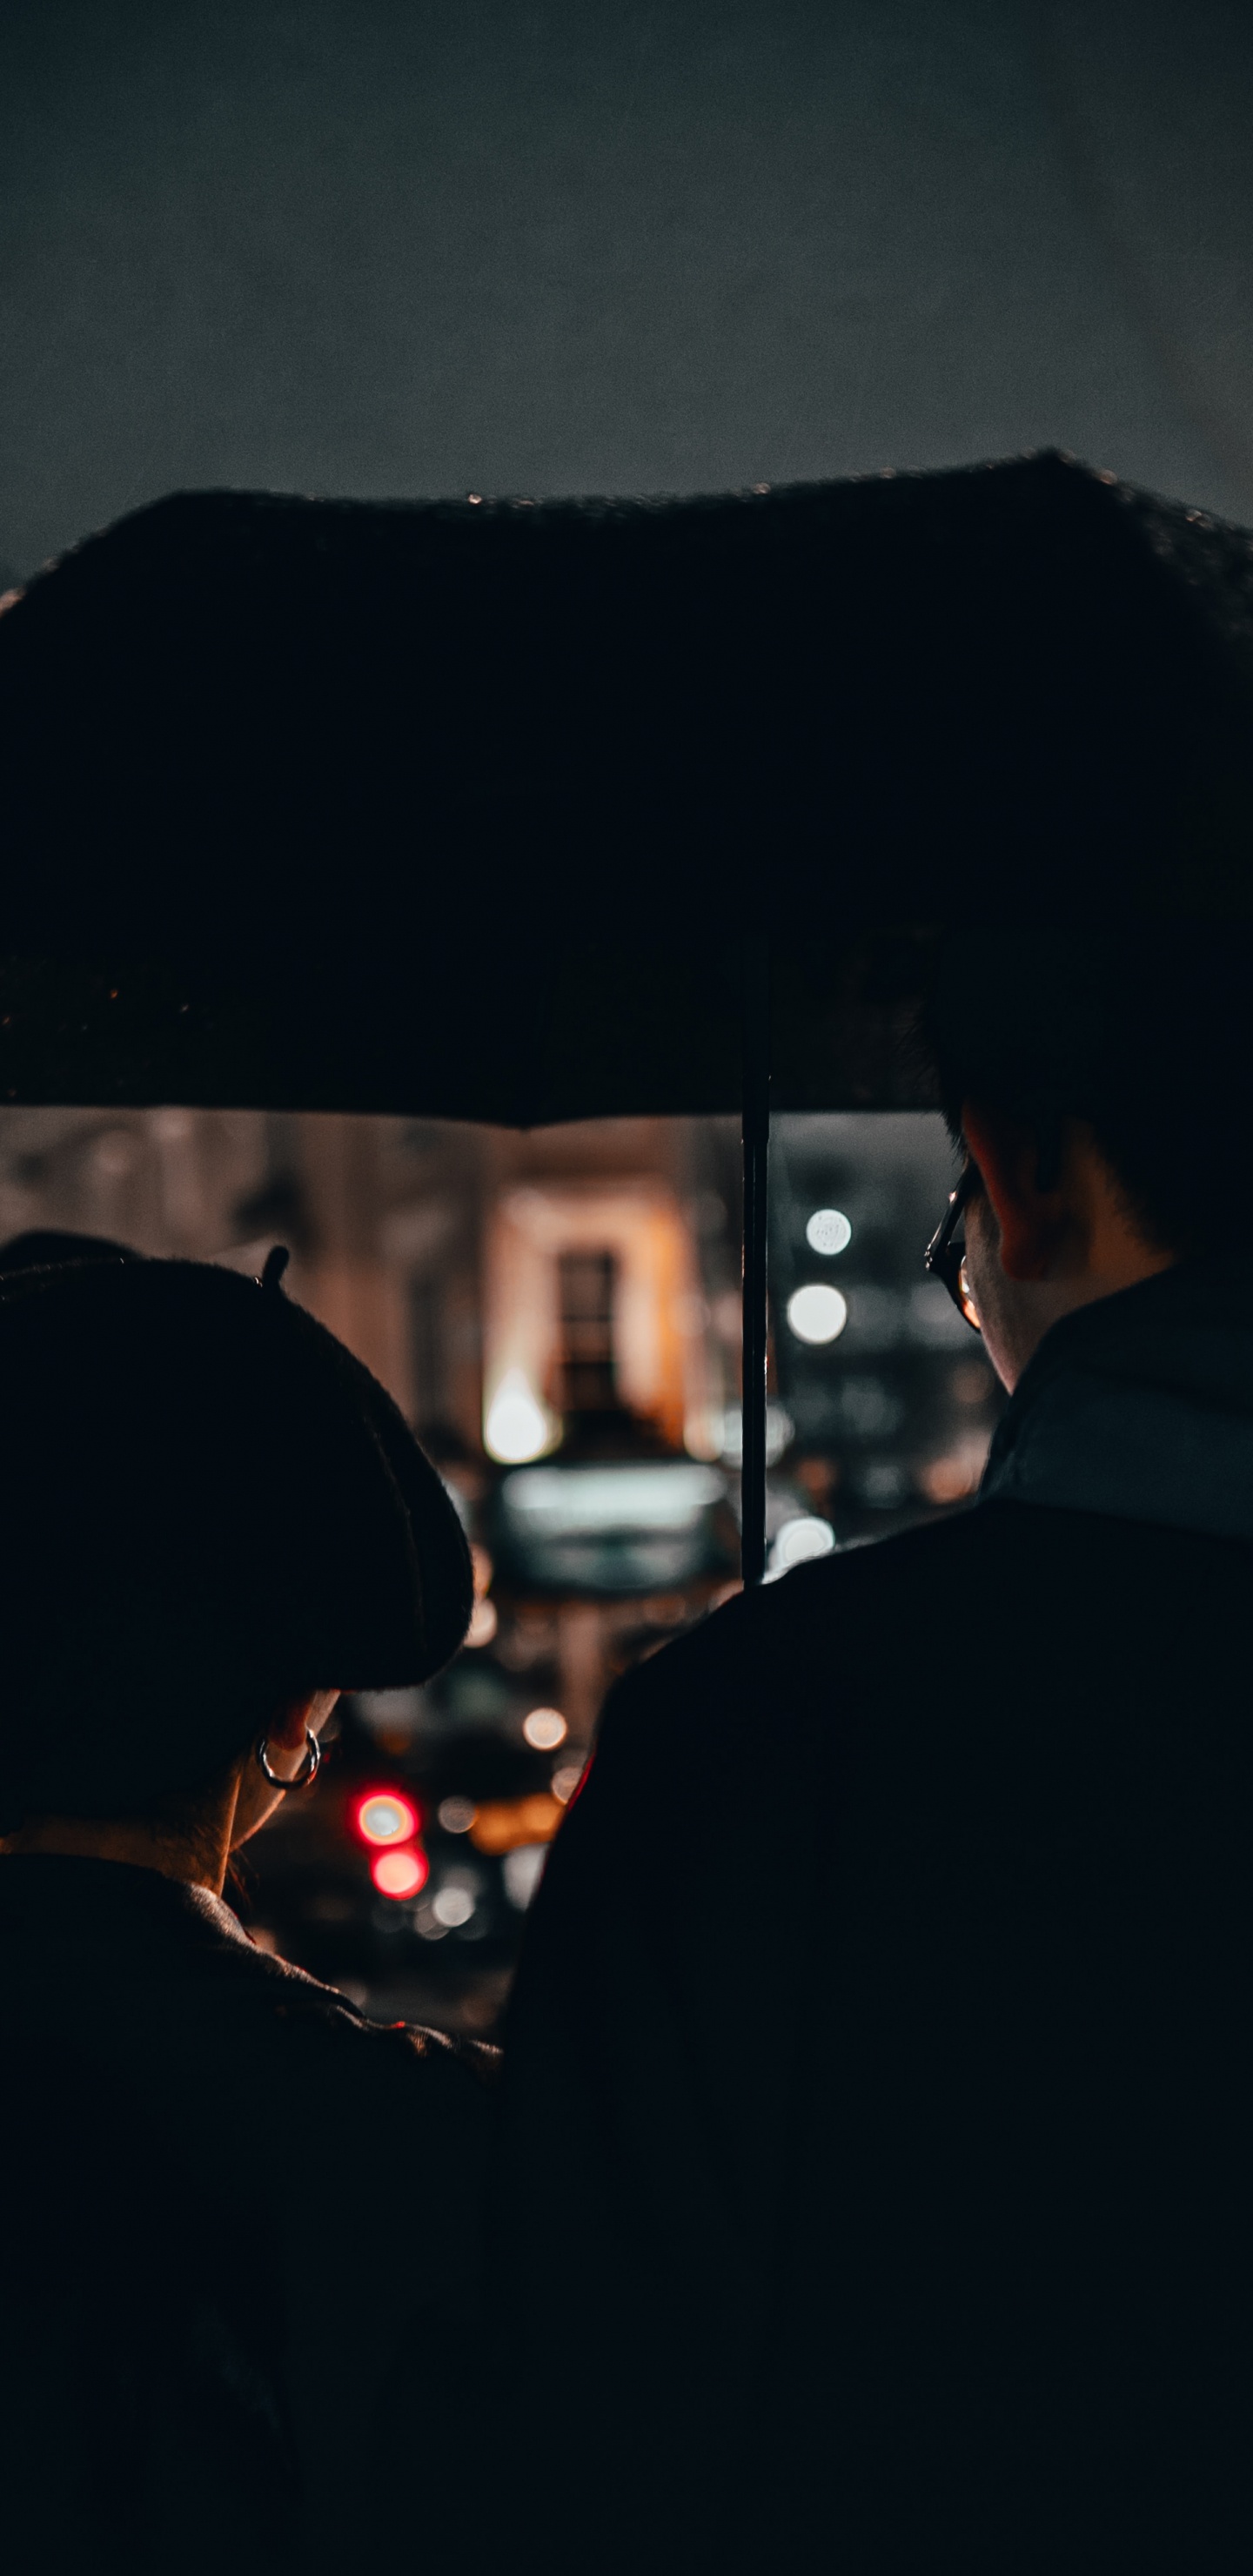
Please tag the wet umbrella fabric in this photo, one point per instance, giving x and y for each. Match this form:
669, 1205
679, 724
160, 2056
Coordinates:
488, 810
471, 808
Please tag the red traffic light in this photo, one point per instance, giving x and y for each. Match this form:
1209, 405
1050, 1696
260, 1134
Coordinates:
399, 1874
384, 1818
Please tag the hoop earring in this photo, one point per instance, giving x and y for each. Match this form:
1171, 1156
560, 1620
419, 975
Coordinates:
309, 1768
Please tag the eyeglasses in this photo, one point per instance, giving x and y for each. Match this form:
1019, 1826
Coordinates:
946, 1253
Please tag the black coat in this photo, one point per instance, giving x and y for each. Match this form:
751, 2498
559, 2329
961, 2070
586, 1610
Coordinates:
886, 2014
241, 2245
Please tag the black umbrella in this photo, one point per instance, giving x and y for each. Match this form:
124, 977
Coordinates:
494, 810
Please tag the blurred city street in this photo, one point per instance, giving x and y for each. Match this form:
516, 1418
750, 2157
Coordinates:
558, 1313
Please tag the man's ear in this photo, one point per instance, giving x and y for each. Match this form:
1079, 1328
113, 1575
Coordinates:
1008, 1157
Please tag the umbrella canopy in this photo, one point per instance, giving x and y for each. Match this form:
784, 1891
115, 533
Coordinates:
476, 809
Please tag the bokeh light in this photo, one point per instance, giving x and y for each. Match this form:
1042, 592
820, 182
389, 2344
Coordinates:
399, 1874
949, 1479
817, 1313
453, 1904
517, 1426
502, 1824
383, 1816
798, 1540
484, 1621
545, 1729
828, 1231
523, 1870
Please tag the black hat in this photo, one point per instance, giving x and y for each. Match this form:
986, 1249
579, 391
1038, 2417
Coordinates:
205, 1503
43, 1247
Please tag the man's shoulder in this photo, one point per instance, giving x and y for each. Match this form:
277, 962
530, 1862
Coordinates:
852, 1586
891, 1609
891, 1615
804, 1636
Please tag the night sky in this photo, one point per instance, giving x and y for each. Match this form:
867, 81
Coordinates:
382, 247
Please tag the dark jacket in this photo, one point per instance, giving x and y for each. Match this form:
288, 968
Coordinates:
887, 2010
241, 2244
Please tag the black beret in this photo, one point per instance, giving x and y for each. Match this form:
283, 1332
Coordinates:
44, 1246
205, 1503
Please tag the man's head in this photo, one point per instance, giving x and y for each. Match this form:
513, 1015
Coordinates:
1101, 1084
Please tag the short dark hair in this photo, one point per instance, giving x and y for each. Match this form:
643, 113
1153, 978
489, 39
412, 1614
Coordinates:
1144, 1032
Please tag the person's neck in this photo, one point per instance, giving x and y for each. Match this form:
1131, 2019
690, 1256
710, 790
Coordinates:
198, 1858
1035, 1255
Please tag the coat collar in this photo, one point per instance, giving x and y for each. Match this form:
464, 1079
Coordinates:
1141, 1406
71, 1900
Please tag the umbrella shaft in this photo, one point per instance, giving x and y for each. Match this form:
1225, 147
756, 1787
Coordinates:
755, 1132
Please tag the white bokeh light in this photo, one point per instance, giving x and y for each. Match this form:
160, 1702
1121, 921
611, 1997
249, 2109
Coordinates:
484, 1621
828, 1231
798, 1540
545, 1728
453, 1905
817, 1313
517, 1426
522, 1871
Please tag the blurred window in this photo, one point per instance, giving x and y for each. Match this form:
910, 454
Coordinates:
587, 1288
426, 1343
